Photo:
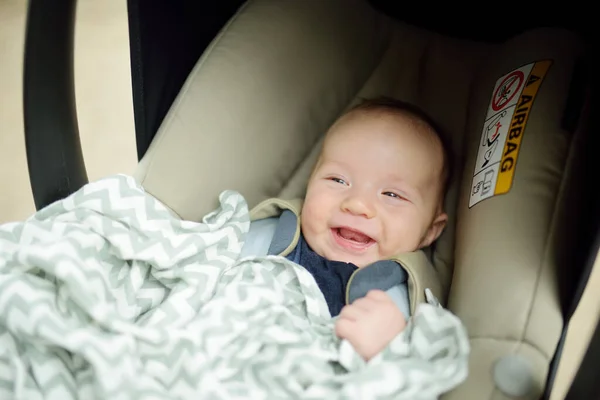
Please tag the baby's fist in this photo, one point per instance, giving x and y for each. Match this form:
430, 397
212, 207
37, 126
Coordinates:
370, 323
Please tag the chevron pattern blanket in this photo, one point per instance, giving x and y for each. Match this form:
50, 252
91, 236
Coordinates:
106, 295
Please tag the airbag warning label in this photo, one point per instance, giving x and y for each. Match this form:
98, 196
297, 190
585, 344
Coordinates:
507, 115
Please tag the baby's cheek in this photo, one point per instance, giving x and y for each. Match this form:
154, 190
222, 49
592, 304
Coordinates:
310, 222
398, 241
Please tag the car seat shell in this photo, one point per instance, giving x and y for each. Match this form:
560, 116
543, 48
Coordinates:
252, 112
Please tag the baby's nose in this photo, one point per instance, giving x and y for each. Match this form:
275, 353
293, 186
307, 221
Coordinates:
358, 206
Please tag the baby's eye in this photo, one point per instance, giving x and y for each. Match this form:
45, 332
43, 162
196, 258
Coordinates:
338, 180
393, 195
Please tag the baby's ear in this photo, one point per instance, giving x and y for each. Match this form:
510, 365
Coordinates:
435, 230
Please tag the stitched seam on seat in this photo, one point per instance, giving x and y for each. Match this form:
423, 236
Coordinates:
516, 341
518, 344
188, 83
459, 175
566, 167
164, 204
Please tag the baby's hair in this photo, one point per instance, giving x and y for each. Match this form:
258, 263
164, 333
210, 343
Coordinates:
399, 107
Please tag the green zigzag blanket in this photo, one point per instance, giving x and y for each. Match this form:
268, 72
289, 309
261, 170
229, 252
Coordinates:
106, 295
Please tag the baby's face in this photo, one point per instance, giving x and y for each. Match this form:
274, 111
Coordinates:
375, 191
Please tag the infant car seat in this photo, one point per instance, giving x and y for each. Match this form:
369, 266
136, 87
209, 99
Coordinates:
253, 111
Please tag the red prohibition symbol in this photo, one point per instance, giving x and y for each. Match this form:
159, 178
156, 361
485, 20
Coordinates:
507, 89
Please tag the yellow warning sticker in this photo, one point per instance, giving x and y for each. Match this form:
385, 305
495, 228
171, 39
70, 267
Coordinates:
503, 129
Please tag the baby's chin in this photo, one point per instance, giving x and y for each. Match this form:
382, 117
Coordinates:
362, 263
363, 260
359, 261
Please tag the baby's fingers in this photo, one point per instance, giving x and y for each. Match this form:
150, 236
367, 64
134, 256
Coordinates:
352, 312
345, 328
365, 304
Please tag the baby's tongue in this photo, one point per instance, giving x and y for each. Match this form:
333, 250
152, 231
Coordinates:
353, 235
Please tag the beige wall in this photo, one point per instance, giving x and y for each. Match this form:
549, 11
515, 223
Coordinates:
103, 94
15, 194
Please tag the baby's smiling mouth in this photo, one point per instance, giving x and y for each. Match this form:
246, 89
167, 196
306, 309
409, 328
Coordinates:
351, 239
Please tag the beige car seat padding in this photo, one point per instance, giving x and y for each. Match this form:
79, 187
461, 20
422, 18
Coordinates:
256, 102
253, 111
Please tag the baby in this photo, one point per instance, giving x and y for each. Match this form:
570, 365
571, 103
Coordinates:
376, 192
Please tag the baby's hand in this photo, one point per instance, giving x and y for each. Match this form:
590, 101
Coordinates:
370, 323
